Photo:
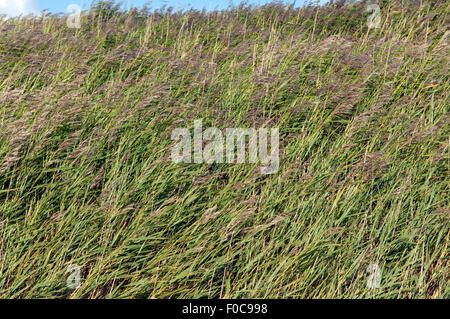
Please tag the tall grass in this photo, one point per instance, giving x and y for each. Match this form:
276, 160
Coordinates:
86, 178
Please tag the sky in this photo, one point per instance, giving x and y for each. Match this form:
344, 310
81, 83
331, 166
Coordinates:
13, 8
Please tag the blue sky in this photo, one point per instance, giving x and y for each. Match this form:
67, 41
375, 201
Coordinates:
61, 5
17, 7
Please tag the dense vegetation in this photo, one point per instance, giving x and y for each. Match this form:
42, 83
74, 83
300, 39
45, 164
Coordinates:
86, 117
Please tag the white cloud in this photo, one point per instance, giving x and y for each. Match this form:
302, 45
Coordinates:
13, 8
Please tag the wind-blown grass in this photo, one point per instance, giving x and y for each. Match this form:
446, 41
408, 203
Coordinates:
86, 178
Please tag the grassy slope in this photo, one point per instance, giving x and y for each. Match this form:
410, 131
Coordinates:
85, 174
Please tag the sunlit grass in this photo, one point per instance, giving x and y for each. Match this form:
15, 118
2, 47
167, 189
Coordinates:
85, 175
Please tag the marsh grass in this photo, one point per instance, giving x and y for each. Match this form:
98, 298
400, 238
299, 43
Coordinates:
85, 175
